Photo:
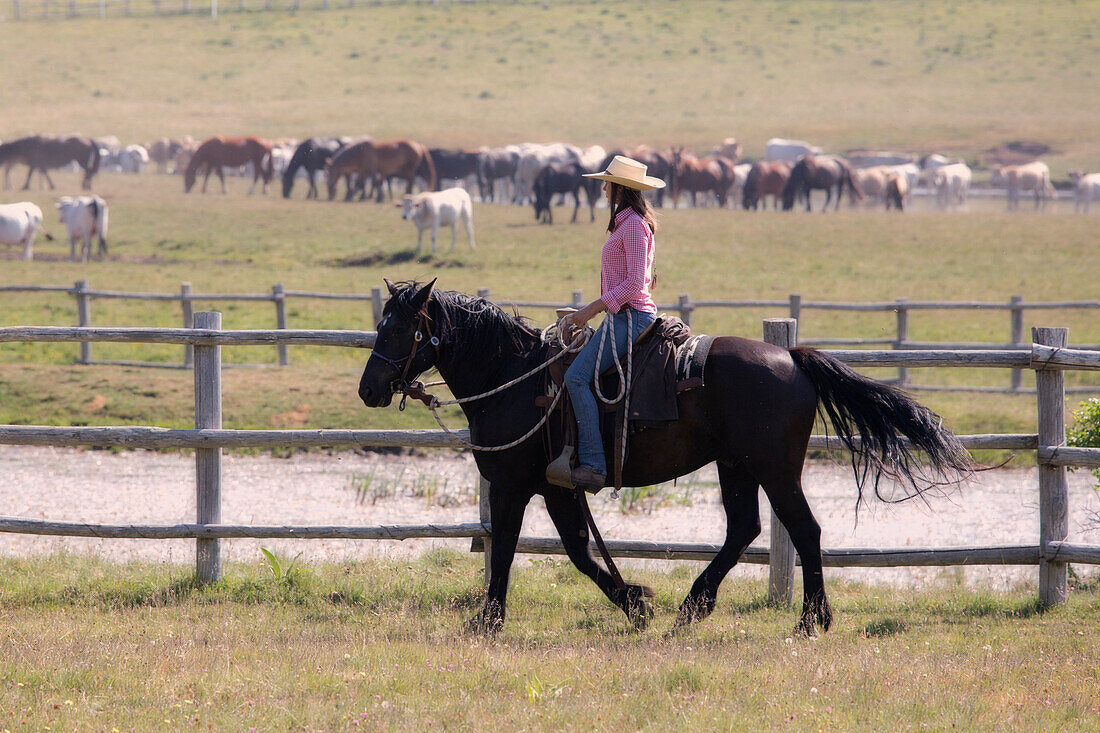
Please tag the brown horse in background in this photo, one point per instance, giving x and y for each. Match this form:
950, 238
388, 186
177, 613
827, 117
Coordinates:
378, 162
712, 174
765, 178
824, 172
41, 153
218, 152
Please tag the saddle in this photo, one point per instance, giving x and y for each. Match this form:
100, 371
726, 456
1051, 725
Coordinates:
667, 360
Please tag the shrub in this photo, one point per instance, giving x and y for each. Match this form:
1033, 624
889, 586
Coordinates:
1085, 432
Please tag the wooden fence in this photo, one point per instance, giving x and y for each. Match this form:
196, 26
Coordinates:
1047, 355
103, 9
684, 307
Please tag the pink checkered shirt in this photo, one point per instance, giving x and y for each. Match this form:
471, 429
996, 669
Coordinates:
626, 266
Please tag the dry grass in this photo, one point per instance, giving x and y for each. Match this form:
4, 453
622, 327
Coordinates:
380, 646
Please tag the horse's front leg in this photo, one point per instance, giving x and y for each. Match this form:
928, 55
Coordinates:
506, 507
567, 514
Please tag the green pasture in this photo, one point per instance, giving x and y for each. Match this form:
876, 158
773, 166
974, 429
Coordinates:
378, 646
236, 243
941, 75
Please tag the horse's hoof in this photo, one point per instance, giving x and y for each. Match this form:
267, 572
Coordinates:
640, 613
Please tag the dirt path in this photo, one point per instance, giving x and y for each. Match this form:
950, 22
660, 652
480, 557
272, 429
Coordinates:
149, 488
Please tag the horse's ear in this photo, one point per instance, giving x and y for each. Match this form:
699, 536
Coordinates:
391, 286
422, 296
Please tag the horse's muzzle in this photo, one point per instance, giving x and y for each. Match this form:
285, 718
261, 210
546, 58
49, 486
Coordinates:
375, 397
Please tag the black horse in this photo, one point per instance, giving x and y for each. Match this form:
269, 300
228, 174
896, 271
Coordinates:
821, 172
753, 416
566, 178
311, 155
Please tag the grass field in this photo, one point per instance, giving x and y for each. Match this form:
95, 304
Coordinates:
236, 244
954, 77
91, 646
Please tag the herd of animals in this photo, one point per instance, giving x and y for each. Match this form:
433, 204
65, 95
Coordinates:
526, 173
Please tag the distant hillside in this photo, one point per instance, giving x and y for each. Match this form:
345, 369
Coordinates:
954, 77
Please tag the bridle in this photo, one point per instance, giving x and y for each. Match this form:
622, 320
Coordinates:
423, 325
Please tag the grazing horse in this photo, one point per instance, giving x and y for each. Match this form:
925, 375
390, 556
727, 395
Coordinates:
498, 164
765, 178
455, 165
218, 152
41, 153
753, 415
897, 190
377, 162
312, 155
823, 172
562, 179
713, 174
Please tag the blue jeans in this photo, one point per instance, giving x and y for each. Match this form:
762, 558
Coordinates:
578, 380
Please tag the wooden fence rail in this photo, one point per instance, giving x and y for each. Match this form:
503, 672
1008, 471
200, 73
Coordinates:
684, 307
1047, 356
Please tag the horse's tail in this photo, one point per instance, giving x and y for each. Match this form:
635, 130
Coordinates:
92, 164
428, 166
748, 191
849, 180
877, 413
794, 182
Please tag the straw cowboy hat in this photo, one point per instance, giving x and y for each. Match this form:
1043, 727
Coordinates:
628, 172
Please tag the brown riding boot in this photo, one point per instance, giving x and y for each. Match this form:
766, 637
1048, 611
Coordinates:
587, 479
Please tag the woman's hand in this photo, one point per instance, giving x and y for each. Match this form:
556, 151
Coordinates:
586, 314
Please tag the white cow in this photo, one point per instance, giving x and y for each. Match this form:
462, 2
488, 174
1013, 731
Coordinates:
433, 209
790, 150
18, 225
133, 159
952, 184
930, 163
1033, 176
85, 217
1086, 187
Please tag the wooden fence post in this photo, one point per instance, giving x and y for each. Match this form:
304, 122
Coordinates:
483, 293
795, 300
208, 461
15, 9
486, 518
1050, 391
376, 305
84, 318
902, 312
685, 309
1017, 336
781, 332
188, 309
279, 294
578, 299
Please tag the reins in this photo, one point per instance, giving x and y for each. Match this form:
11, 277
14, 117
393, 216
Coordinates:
416, 390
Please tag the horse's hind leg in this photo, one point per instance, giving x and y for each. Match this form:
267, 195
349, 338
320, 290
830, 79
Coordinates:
568, 517
739, 498
790, 506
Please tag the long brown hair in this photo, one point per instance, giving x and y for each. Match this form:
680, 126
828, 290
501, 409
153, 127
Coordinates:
624, 197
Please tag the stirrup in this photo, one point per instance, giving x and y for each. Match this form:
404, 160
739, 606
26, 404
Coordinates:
558, 472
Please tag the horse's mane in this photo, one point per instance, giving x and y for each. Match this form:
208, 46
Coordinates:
474, 326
